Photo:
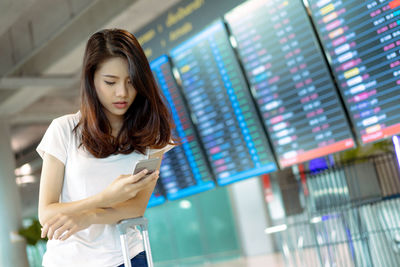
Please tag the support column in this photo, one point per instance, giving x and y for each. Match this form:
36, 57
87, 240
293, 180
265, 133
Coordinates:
12, 246
251, 217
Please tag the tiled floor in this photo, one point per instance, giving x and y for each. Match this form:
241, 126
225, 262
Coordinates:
272, 260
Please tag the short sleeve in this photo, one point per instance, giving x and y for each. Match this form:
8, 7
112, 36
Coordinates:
54, 142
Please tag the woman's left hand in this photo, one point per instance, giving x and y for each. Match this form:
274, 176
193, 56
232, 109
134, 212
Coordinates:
62, 226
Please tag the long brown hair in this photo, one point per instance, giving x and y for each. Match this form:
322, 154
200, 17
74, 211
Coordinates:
147, 122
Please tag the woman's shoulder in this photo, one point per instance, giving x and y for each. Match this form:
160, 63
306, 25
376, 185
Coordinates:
68, 122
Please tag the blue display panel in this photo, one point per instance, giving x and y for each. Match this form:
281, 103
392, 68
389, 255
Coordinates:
362, 39
220, 102
184, 170
290, 80
157, 197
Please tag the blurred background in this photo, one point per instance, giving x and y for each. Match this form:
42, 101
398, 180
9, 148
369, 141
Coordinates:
289, 112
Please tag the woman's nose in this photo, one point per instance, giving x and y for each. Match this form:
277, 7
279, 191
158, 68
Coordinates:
121, 91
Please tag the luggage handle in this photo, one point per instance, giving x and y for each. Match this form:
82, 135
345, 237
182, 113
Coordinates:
127, 223
123, 226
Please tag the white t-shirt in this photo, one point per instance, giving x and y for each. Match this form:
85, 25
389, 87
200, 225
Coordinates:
85, 175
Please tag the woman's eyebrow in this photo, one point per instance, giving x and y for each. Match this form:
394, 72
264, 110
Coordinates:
110, 76
113, 76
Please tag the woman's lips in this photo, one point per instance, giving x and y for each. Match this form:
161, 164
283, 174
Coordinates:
120, 105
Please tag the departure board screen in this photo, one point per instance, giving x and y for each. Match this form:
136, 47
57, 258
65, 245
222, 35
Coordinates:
157, 198
290, 80
184, 170
221, 104
362, 39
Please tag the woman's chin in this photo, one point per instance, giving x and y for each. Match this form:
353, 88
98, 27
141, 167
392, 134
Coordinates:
116, 112
119, 113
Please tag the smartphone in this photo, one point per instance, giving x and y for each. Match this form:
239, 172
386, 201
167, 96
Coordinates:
150, 164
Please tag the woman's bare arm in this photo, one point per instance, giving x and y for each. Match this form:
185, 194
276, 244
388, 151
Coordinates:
129, 209
62, 226
53, 214
51, 182
132, 208
103, 208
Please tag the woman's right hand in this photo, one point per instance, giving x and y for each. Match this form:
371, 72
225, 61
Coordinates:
126, 187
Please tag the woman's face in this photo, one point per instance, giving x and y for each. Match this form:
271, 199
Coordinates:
114, 87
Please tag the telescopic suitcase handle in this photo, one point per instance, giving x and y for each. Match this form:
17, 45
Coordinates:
123, 226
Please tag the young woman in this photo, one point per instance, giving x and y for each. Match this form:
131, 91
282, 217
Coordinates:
86, 183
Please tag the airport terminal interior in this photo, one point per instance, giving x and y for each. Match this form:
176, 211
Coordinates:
288, 112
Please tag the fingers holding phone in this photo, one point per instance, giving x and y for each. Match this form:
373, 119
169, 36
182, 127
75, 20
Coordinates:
145, 176
127, 186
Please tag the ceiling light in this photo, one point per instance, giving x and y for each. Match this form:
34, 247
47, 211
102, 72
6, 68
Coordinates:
275, 229
26, 179
25, 169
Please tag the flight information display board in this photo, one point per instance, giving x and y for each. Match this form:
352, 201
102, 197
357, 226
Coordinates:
290, 80
221, 104
157, 198
362, 39
184, 170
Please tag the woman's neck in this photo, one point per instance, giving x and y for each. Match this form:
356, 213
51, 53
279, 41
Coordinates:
116, 123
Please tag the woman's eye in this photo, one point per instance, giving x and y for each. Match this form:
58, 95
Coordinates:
109, 83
